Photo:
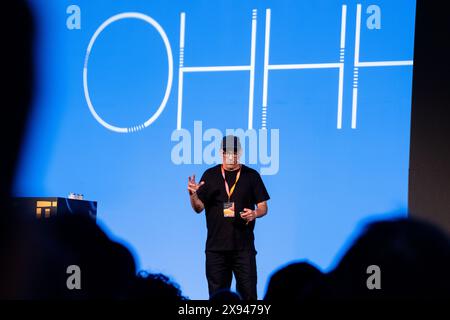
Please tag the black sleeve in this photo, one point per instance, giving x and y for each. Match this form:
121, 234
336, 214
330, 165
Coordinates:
202, 192
260, 193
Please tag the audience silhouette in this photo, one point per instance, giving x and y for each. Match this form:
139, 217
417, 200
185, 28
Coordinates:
292, 283
412, 257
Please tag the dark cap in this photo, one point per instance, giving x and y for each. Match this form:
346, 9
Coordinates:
231, 143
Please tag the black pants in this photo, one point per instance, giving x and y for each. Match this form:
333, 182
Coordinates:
220, 266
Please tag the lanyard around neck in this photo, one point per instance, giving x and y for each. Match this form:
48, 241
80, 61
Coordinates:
227, 188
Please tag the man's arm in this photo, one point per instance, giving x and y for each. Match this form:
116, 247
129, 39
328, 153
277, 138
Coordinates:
196, 203
261, 209
261, 196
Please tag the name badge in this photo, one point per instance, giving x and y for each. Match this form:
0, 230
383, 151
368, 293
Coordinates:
228, 209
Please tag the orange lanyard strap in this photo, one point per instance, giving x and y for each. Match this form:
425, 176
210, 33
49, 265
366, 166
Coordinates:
227, 188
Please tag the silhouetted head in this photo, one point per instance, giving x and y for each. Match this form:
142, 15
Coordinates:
151, 287
225, 295
45, 262
63, 257
292, 283
412, 257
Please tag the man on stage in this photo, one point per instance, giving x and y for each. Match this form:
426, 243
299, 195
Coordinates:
229, 193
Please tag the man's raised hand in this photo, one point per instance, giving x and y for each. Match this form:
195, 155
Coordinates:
193, 186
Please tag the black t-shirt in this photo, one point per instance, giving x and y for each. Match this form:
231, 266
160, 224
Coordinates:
226, 233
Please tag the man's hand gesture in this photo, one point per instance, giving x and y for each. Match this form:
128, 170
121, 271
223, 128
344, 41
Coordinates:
248, 215
193, 186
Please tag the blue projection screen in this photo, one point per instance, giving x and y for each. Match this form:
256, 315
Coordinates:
132, 97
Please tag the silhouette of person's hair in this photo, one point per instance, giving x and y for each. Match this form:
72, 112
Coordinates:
151, 287
39, 259
413, 259
292, 283
107, 268
225, 295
